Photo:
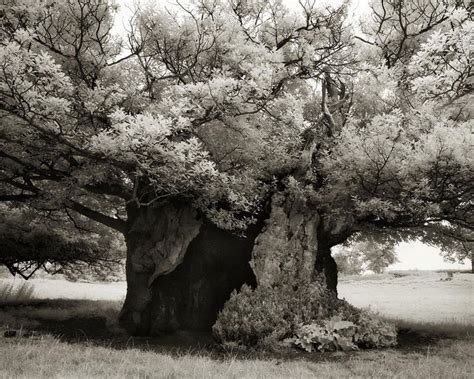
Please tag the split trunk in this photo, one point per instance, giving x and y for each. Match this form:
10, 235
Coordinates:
181, 269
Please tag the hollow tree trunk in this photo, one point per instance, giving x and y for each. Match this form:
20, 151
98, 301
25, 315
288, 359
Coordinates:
180, 270
325, 266
157, 241
189, 298
288, 248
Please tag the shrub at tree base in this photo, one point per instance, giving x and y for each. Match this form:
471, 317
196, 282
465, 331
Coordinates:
303, 315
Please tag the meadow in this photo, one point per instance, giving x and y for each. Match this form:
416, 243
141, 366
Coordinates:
65, 329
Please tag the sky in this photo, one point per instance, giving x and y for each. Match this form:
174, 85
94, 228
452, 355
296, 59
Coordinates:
411, 256
358, 8
418, 256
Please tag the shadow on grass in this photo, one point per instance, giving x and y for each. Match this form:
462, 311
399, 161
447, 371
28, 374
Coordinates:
95, 322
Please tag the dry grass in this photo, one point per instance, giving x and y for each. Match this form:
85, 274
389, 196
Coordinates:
49, 358
16, 292
86, 344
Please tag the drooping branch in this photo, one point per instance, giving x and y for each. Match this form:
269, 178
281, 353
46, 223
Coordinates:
112, 222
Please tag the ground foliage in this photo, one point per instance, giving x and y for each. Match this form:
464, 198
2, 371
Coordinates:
305, 315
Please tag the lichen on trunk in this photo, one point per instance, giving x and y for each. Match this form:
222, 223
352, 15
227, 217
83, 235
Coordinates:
288, 248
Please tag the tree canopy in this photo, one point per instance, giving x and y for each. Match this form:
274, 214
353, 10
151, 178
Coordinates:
362, 255
218, 104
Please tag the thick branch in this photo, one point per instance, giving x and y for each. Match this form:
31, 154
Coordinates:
19, 197
109, 221
108, 189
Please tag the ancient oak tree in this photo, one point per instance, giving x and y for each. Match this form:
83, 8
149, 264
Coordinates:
235, 142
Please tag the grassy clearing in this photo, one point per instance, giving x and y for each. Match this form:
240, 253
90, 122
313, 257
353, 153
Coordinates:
62, 289
418, 296
79, 338
50, 358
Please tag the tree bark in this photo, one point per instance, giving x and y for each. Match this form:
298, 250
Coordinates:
157, 240
180, 270
289, 246
472, 262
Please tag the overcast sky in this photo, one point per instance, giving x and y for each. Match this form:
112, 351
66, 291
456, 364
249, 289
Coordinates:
358, 8
412, 256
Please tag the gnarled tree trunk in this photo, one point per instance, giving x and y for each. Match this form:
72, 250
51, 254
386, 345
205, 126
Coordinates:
157, 240
289, 247
180, 269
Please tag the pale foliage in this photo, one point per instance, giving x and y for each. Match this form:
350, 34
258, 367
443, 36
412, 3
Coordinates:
221, 102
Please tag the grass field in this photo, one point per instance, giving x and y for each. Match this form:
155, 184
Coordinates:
77, 336
418, 296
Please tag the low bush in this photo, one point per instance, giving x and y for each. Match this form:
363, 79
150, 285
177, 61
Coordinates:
306, 315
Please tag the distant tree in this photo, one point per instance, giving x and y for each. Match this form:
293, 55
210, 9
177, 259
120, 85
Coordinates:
359, 256
460, 253
349, 262
456, 243
29, 242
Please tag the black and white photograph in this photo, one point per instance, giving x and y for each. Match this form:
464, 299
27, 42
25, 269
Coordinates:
237, 189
